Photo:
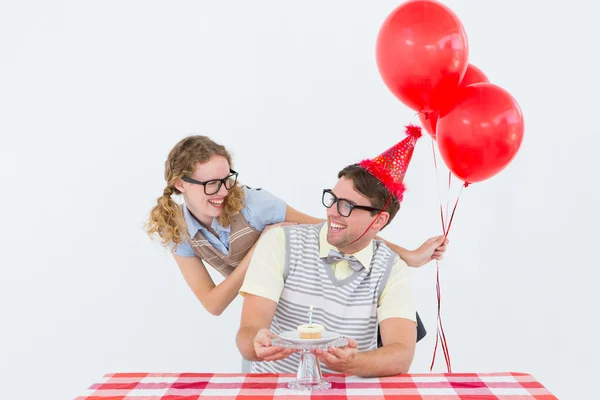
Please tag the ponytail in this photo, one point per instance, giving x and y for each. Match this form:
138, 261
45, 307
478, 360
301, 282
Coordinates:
166, 220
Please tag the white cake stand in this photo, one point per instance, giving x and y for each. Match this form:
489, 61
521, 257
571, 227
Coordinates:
308, 376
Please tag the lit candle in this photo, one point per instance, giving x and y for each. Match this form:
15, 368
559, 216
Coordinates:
310, 315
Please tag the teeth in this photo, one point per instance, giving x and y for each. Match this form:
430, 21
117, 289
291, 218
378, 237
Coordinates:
217, 202
336, 226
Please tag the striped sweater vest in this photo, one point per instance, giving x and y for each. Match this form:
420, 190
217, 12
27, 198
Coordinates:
241, 239
347, 306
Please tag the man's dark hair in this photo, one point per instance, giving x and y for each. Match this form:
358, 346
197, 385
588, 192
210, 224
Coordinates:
370, 187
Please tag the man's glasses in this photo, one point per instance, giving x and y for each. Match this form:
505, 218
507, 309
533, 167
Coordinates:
344, 206
214, 185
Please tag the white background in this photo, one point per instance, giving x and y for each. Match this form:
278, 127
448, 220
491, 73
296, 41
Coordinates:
93, 95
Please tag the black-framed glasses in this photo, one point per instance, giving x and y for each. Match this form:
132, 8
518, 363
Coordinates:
214, 185
344, 206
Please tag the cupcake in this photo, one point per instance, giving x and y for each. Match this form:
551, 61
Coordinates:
311, 331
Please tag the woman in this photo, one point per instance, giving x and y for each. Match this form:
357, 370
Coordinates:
221, 221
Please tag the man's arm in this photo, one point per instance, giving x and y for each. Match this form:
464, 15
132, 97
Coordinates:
261, 289
399, 338
254, 337
257, 314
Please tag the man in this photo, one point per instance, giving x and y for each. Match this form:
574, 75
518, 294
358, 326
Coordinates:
355, 284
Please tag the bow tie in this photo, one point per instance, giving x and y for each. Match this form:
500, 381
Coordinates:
336, 256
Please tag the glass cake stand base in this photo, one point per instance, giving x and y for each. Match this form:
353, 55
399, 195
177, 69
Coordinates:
308, 375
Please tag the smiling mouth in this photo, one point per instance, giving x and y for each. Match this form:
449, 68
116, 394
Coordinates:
335, 227
218, 203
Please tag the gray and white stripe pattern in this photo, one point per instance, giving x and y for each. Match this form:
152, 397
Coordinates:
347, 306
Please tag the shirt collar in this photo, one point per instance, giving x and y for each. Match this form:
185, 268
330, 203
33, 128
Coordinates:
364, 256
194, 225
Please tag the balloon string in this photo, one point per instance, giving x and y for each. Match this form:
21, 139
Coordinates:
438, 186
454, 209
449, 191
440, 333
440, 336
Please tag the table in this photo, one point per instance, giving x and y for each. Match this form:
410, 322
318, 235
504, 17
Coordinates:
193, 386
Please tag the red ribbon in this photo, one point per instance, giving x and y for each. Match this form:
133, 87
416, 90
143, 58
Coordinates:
440, 337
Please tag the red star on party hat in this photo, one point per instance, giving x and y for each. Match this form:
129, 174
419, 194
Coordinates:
390, 166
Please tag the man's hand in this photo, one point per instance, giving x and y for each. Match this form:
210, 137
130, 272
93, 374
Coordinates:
339, 359
433, 249
264, 350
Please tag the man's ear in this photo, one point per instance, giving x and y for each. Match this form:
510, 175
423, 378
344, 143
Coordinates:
381, 220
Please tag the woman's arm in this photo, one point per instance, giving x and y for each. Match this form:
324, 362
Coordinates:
214, 298
432, 249
295, 216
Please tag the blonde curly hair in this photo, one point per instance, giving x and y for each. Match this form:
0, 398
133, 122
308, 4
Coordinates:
166, 218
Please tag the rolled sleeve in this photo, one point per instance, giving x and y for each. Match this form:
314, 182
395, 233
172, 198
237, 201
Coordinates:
396, 299
184, 250
263, 208
264, 277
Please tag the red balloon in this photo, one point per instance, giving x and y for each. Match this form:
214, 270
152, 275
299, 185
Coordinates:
422, 53
472, 75
429, 122
481, 135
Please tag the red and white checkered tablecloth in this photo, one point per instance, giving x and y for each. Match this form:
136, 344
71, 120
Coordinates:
193, 386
